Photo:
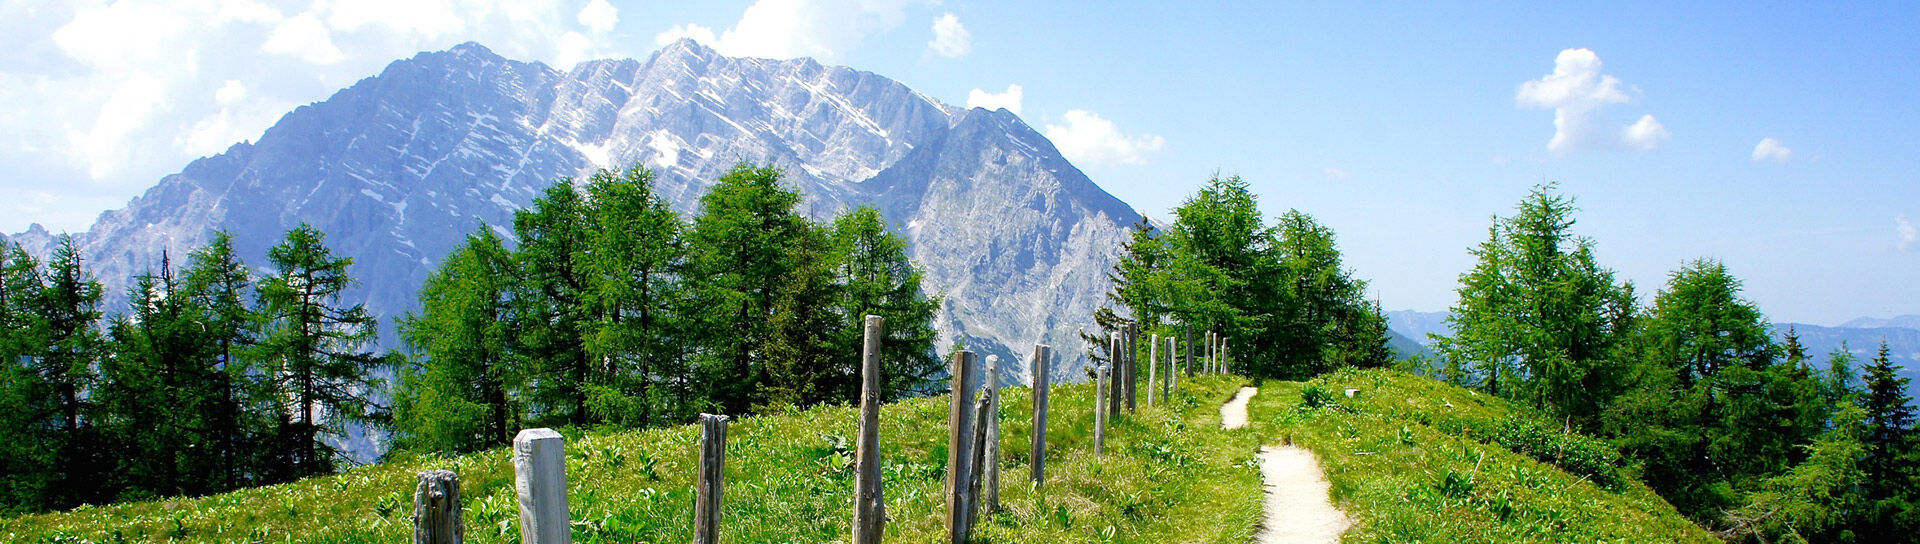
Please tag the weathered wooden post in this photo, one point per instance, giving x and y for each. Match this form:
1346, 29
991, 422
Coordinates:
1100, 409
1042, 381
1133, 363
959, 447
1173, 371
1153, 367
1224, 368
1186, 362
869, 503
713, 472
990, 464
1115, 360
982, 410
540, 478
436, 509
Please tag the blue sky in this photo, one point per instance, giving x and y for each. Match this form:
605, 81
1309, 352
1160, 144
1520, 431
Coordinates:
1403, 127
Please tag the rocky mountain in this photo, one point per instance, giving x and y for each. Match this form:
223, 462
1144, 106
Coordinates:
399, 167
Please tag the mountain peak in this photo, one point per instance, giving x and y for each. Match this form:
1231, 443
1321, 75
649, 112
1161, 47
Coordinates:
471, 48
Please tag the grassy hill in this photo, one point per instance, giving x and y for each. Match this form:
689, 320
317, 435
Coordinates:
1416, 460
1410, 460
1170, 475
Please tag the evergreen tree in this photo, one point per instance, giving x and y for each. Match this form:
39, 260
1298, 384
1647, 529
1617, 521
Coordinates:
154, 395
1538, 318
1891, 464
25, 461
70, 305
239, 425
877, 277
315, 347
460, 392
553, 316
1328, 321
1711, 413
636, 259
746, 244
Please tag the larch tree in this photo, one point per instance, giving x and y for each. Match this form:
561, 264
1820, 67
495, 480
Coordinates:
316, 348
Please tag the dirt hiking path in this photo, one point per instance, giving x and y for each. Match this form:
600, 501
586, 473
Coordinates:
1297, 509
1233, 414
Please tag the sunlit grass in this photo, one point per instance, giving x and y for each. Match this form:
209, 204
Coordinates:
1416, 460
1170, 475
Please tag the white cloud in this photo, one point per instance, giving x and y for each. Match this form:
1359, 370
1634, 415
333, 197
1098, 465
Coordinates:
696, 32
103, 98
599, 16
1905, 232
1088, 139
950, 39
1336, 173
1646, 134
982, 99
1577, 92
1770, 149
821, 29
304, 37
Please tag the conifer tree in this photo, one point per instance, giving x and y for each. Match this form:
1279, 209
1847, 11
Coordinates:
240, 425
70, 305
877, 277
1538, 318
636, 258
553, 316
746, 244
461, 390
315, 348
25, 462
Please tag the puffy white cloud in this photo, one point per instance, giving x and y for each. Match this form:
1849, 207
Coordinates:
1577, 92
1336, 173
599, 16
1770, 149
797, 28
1088, 139
304, 37
104, 97
1646, 134
695, 32
950, 39
1905, 232
982, 99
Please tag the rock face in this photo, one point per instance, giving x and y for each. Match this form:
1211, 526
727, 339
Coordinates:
399, 167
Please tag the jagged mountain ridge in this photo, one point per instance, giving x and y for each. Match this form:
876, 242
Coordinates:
399, 167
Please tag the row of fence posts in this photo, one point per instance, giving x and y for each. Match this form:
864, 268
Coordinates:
973, 452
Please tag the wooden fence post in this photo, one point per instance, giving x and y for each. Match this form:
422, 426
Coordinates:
959, 446
1186, 362
1173, 371
869, 503
1133, 362
976, 474
1042, 381
540, 478
1100, 409
713, 473
990, 464
1153, 368
1115, 359
436, 509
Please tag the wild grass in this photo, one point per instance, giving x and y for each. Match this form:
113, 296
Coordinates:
1169, 475
1416, 460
